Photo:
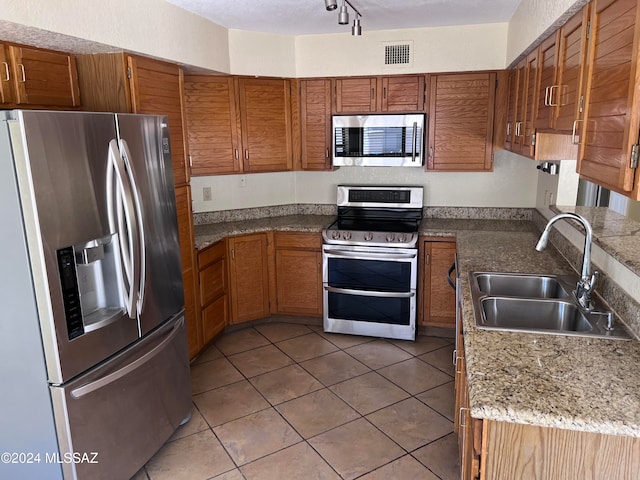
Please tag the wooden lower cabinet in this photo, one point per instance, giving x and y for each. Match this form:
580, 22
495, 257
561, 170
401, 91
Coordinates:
438, 299
214, 303
492, 450
248, 277
298, 266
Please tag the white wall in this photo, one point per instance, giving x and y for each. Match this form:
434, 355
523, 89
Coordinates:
531, 19
265, 54
512, 184
442, 49
150, 27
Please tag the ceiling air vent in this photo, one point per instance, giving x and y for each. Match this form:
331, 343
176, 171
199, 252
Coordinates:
398, 54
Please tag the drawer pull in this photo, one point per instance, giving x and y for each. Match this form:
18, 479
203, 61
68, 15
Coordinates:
6, 72
24, 76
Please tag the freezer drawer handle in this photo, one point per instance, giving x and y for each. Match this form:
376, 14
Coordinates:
112, 377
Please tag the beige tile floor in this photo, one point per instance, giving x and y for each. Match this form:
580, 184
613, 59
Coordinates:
286, 401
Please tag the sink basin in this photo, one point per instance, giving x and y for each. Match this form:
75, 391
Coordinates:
522, 285
522, 302
532, 314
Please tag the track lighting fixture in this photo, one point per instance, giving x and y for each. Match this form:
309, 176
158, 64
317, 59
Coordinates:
343, 15
331, 4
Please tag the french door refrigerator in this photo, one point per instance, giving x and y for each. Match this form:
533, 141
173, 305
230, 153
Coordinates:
93, 353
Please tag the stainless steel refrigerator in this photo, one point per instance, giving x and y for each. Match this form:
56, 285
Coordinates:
93, 353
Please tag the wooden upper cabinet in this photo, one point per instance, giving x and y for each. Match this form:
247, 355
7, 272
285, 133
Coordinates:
355, 95
7, 93
265, 114
611, 120
157, 88
530, 98
512, 109
35, 77
548, 91
461, 121
571, 61
315, 124
213, 124
402, 93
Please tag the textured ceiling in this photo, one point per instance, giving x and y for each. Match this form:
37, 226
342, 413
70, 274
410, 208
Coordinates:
301, 17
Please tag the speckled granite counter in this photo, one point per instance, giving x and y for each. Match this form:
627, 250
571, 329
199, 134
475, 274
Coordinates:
210, 233
575, 383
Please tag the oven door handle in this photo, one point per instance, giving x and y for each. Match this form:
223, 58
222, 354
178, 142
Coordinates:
369, 293
371, 256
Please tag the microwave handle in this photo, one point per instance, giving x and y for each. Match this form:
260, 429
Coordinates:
414, 143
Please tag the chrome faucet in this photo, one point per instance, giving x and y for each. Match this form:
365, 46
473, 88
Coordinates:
587, 282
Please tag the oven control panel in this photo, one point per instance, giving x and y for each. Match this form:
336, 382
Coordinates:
383, 239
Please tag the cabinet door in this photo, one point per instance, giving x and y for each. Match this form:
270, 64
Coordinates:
315, 124
530, 98
548, 89
249, 277
461, 121
439, 299
402, 93
355, 95
185, 235
157, 88
518, 134
611, 121
45, 78
299, 282
512, 111
6, 76
571, 70
212, 125
265, 113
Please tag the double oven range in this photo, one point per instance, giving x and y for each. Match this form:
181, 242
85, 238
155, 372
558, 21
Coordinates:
370, 262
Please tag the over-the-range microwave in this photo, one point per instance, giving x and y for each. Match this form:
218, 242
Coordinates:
384, 140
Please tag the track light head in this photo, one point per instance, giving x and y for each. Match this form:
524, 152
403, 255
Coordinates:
356, 29
343, 16
331, 4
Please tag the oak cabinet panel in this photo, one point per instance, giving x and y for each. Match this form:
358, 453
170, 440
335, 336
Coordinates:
438, 298
33, 77
609, 133
402, 93
512, 108
298, 265
214, 304
248, 277
315, 124
265, 116
548, 91
212, 124
355, 95
461, 116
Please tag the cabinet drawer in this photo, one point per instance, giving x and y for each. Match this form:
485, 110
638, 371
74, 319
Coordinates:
214, 318
213, 282
311, 241
211, 254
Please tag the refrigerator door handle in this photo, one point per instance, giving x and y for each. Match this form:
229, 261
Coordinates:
129, 367
124, 148
121, 212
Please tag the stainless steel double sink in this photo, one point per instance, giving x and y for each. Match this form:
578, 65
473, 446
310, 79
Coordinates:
536, 303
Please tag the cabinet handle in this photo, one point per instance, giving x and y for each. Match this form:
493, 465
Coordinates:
430, 152
233, 254
546, 96
246, 154
24, 76
6, 72
454, 360
518, 129
373, 93
457, 363
508, 128
327, 153
427, 259
461, 417
573, 132
237, 155
384, 93
551, 104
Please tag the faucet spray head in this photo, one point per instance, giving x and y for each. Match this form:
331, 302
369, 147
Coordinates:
542, 242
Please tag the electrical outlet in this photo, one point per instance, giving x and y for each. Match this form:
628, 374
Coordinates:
206, 194
243, 181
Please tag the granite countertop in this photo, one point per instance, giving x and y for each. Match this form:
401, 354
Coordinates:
561, 381
575, 383
210, 233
